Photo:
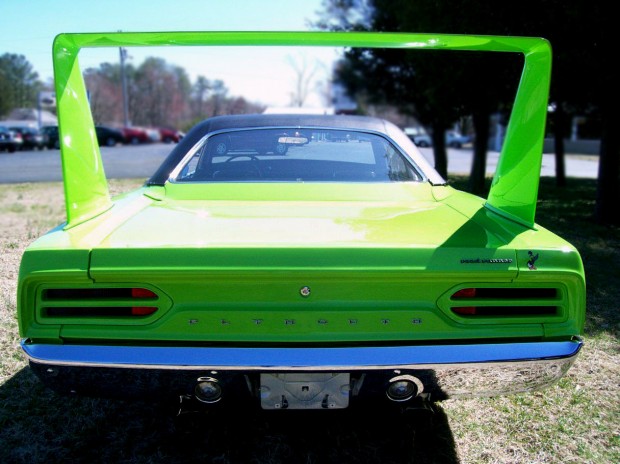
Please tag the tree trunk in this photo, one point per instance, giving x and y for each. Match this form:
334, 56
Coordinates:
608, 190
477, 184
439, 149
559, 118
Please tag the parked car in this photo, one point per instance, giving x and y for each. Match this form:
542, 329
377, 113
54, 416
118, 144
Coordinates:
453, 139
422, 140
340, 137
52, 136
135, 135
275, 141
339, 272
170, 135
245, 260
418, 136
153, 134
109, 136
33, 139
10, 140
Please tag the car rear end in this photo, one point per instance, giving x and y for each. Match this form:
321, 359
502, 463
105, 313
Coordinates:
411, 292
318, 323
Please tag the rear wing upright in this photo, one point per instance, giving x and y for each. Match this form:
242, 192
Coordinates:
514, 189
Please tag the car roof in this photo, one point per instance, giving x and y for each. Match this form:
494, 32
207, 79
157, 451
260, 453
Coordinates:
291, 120
249, 121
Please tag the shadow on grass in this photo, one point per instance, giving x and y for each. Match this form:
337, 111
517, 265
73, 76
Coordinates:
36, 426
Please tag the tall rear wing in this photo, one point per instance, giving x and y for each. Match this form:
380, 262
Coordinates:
515, 186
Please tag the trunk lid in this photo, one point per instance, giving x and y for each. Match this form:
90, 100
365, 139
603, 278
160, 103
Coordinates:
370, 263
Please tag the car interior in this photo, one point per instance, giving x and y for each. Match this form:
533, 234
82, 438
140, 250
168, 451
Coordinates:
309, 155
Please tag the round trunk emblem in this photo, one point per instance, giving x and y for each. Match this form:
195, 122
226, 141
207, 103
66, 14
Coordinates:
305, 291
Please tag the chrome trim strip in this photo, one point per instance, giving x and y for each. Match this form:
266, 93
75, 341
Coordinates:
306, 359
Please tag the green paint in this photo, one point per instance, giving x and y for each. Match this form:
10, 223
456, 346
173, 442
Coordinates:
371, 253
515, 185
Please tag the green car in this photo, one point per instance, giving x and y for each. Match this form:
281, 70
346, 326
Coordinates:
314, 276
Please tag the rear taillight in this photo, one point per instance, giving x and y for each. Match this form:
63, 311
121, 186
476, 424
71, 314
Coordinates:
142, 293
501, 293
99, 302
465, 293
99, 311
491, 301
504, 310
142, 310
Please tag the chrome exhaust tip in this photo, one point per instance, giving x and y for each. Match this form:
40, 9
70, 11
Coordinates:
207, 390
403, 388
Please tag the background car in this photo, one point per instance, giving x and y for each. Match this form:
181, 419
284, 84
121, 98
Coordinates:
170, 135
455, 139
135, 135
10, 140
153, 134
33, 139
339, 137
109, 137
418, 136
421, 140
272, 141
52, 136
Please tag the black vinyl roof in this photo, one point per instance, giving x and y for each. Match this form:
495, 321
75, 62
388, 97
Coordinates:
247, 121
290, 120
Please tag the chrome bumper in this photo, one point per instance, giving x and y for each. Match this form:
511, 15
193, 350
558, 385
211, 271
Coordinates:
445, 370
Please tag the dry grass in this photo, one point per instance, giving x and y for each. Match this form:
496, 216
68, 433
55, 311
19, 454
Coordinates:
576, 421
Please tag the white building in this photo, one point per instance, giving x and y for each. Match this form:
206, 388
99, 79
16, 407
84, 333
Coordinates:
29, 117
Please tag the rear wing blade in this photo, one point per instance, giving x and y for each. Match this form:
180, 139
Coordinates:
514, 189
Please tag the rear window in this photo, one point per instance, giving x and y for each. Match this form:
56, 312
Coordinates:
296, 155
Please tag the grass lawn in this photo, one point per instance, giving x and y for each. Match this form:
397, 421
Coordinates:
575, 421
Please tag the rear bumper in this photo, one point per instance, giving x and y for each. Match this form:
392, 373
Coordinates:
444, 370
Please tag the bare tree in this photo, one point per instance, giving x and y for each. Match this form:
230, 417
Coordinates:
163, 92
199, 96
305, 81
218, 97
104, 96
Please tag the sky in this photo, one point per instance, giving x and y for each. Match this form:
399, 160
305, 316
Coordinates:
28, 27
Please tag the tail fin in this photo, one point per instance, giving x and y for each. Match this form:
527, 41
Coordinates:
515, 186
86, 187
514, 190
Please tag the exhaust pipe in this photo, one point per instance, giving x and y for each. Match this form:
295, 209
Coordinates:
403, 388
208, 390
